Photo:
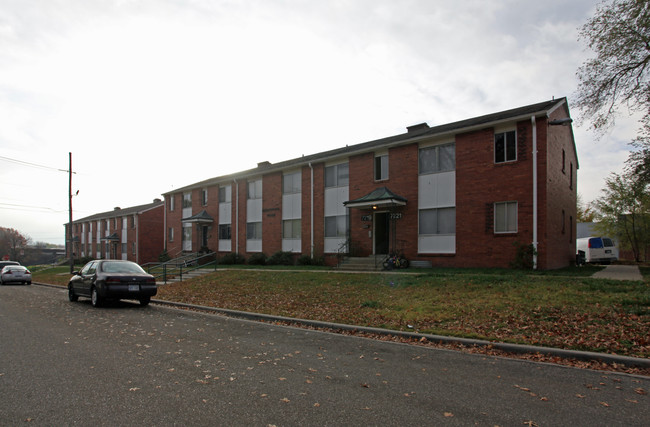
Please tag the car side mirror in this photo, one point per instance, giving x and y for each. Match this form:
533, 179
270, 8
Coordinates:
76, 273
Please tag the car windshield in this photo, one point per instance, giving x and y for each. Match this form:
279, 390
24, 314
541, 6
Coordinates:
15, 268
121, 267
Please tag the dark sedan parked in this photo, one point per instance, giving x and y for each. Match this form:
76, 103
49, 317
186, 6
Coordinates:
112, 279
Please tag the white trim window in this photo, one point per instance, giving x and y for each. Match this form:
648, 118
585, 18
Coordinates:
204, 197
291, 211
336, 226
254, 231
437, 159
187, 200
438, 221
254, 189
381, 167
505, 147
505, 217
337, 175
225, 218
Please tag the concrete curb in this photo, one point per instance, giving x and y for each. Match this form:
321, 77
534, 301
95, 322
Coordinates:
636, 362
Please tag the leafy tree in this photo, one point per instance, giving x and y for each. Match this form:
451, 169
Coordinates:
619, 75
624, 211
586, 212
12, 243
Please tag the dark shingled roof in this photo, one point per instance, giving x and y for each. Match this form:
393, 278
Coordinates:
117, 212
377, 196
202, 216
415, 132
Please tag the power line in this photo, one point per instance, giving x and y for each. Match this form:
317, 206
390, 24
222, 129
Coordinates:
11, 206
34, 165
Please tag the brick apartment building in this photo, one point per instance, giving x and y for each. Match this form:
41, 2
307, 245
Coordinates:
460, 194
134, 234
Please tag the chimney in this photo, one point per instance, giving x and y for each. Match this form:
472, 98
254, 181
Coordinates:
157, 200
418, 127
116, 208
263, 164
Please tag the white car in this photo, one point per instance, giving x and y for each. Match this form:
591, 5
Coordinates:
15, 274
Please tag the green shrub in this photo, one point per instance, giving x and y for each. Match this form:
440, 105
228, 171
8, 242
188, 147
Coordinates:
304, 260
232, 259
280, 258
257, 259
164, 257
524, 257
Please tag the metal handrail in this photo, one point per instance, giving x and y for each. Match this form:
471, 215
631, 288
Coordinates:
181, 265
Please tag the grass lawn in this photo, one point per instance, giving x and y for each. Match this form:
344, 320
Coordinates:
563, 309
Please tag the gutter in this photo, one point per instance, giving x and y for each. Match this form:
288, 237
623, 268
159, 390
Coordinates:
311, 208
535, 207
236, 216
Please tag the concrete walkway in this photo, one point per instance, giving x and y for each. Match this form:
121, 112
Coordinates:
619, 272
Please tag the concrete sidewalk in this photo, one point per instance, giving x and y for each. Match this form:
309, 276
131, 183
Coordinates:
619, 272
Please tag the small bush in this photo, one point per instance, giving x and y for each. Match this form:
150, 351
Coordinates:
164, 257
524, 256
304, 260
232, 259
257, 259
280, 258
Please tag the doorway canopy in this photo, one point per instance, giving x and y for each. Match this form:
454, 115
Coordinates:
379, 198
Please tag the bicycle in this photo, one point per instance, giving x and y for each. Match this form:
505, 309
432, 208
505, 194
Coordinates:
395, 261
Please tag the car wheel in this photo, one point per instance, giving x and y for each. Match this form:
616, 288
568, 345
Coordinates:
144, 301
71, 295
95, 299
29, 283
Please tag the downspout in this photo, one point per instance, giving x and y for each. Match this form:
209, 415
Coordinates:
164, 222
136, 223
236, 216
311, 208
534, 124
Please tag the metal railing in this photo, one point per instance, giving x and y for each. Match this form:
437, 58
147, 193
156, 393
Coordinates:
180, 266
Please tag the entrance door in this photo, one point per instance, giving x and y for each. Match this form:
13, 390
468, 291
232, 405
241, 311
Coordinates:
382, 233
204, 236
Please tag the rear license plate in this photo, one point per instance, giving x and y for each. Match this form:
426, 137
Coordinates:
134, 288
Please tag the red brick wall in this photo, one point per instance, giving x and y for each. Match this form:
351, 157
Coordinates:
361, 183
479, 184
559, 236
151, 231
319, 209
174, 221
241, 232
272, 213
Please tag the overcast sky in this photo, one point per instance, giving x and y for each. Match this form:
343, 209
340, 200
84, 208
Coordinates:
153, 95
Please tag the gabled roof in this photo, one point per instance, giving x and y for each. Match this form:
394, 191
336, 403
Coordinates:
379, 197
415, 133
118, 212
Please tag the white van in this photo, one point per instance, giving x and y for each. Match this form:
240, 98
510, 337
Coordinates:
599, 250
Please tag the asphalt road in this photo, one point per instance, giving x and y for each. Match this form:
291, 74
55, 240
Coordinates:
65, 363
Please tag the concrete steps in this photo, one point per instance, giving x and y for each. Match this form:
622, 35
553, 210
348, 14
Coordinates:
187, 275
371, 263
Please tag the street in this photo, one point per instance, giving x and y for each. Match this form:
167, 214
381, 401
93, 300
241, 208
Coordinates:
64, 363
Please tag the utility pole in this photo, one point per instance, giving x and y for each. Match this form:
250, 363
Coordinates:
71, 247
